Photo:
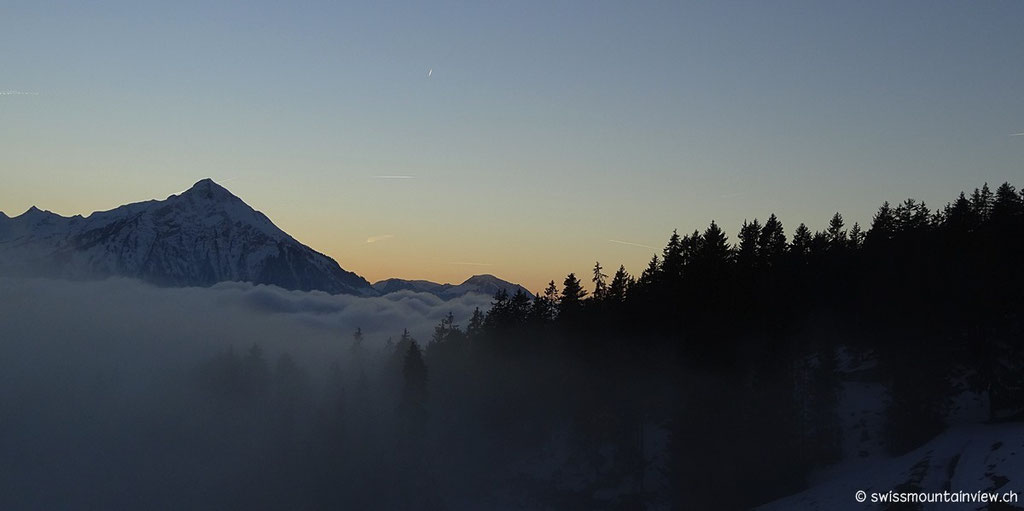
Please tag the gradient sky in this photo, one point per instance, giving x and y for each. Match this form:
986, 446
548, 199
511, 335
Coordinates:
544, 130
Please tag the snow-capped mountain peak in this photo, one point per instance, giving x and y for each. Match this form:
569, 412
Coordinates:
207, 189
34, 214
200, 237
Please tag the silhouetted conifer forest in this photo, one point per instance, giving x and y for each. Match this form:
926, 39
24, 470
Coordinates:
729, 346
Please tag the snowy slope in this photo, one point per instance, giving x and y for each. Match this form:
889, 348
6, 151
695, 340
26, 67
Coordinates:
203, 236
988, 458
970, 456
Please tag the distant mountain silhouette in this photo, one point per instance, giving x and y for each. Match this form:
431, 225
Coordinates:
485, 284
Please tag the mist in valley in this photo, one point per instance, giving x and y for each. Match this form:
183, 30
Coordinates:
119, 394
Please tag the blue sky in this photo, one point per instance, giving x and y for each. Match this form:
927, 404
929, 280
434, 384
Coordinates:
544, 129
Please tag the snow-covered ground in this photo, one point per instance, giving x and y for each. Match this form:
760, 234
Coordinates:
982, 457
970, 456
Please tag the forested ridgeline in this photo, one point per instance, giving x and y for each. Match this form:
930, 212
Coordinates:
725, 352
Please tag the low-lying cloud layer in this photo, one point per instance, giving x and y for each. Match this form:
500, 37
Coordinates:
119, 317
117, 394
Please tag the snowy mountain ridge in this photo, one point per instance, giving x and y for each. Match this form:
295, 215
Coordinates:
200, 237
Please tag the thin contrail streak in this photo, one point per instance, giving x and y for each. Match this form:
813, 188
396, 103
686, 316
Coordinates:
630, 243
379, 237
1017, 134
17, 93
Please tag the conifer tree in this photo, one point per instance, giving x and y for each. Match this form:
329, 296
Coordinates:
500, 314
960, 215
651, 273
691, 246
476, 324
619, 287
600, 287
551, 292
912, 216
772, 241
356, 348
713, 252
856, 236
518, 308
801, 246
414, 376
1007, 205
572, 296
552, 299
672, 258
748, 251
356, 353
444, 329
883, 225
819, 243
835, 234
981, 202
544, 307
